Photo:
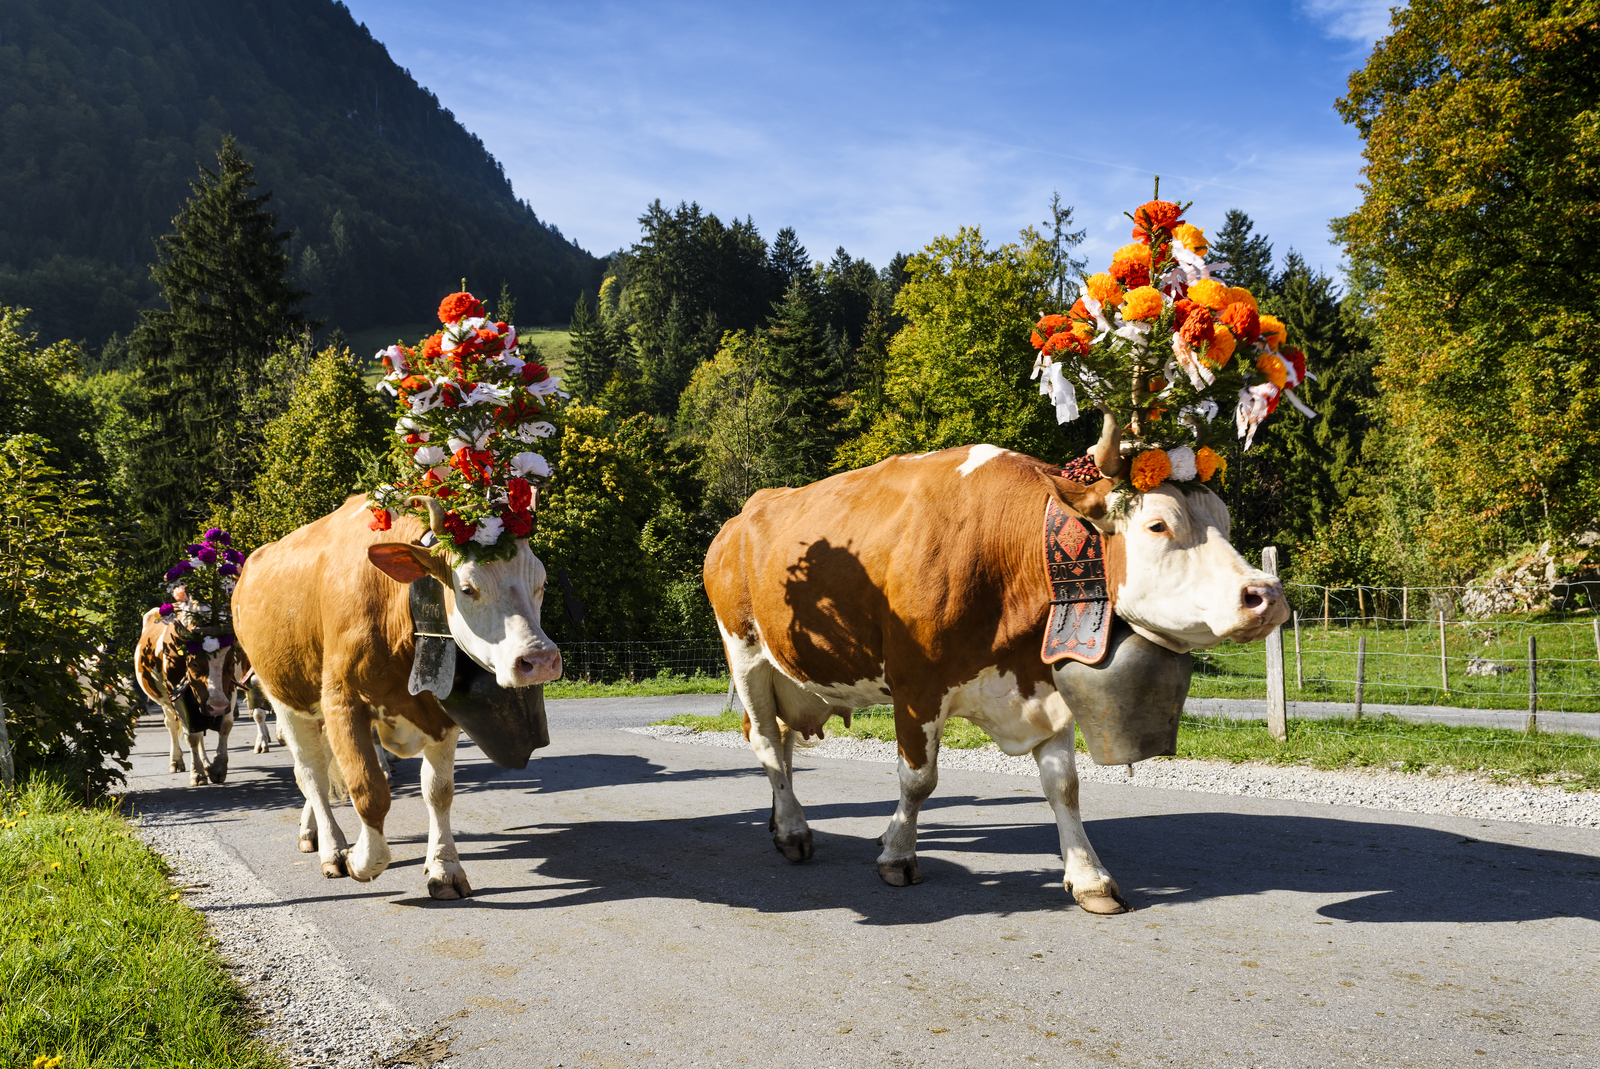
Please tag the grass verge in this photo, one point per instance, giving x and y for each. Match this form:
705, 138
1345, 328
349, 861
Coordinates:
1383, 742
103, 964
665, 683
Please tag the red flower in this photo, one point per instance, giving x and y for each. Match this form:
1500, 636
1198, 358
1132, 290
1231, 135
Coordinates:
1198, 326
459, 306
1297, 358
1046, 327
460, 530
1154, 215
1131, 273
519, 522
532, 373
444, 493
519, 494
433, 347
474, 465
1243, 321
413, 439
380, 520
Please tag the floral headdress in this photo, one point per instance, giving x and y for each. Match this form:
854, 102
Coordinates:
201, 586
468, 407
1162, 345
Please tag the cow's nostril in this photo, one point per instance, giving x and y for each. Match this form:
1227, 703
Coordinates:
1252, 600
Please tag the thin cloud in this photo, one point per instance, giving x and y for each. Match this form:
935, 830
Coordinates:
1359, 21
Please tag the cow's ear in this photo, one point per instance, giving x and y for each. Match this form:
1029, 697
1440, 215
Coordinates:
405, 563
1091, 502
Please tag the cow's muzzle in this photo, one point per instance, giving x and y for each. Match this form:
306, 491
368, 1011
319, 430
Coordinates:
541, 666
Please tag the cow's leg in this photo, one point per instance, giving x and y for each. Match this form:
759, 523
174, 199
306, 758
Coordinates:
263, 742
1091, 885
169, 717
308, 828
384, 763
756, 680
218, 768
310, 751
446, 878
898, 862
197, 751
349, 729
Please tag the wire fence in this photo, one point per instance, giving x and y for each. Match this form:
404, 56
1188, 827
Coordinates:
611, 662
1417, 646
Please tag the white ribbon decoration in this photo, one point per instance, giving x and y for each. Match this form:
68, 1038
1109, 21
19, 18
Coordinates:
1056, 387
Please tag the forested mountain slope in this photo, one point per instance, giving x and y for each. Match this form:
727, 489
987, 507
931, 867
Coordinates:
106, 107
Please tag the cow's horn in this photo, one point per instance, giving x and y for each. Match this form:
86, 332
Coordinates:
435, 514
1108, 450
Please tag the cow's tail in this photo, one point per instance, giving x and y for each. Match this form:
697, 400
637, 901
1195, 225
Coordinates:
338, 789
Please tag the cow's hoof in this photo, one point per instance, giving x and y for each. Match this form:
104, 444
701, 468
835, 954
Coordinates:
900, 873
261, 747
448, 888
796, 848
335, 869
176, 766
308, 843
218, 773
1103, 902
198, 778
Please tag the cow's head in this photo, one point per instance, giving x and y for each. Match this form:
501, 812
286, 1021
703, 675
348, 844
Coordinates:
1183, 585
493, 606
209, 676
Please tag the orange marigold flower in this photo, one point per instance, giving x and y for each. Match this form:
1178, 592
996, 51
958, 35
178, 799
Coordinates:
1066, 341
1137, 252
1241, 318
1150, 470
459, 306
1221, 348
1197, 328
1079, 310
1240, 295
433, 347
1185, 308
1209, 463
1272, 367
1273, 330
1144, 303
1155, 215
1193, 238
1084, 331
1131, 273
1047, 326
1209, 292
1104, 288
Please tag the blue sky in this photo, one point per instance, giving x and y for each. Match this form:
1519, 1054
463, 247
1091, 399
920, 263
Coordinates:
878, 126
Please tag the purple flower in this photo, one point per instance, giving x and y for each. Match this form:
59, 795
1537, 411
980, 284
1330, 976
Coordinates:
179, 570
233, 556
167, 608
206, 555
228, 569
215, 534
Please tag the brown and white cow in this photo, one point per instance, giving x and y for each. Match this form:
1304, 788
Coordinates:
325, 614
920, 580
203, 682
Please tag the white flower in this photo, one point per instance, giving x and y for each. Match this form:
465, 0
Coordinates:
485, 393
529, 432
1182, 460
429, 455
211, 645
549, 385
526, 464
488, 532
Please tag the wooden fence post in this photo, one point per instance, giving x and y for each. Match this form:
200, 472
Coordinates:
1596, 622
1444, 663
1405, 606
1361, 604
1361, 672
1324, 608
1532, 727
1277, 700
1299, 673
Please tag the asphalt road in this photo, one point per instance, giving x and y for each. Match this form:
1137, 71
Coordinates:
629, 910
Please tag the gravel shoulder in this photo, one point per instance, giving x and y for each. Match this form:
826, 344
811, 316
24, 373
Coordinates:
1452, 794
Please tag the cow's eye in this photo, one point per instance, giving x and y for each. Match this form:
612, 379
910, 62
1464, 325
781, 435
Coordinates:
469, 590
1157, 528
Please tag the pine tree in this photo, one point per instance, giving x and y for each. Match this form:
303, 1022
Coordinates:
786, 262
807, 380
1063, 239
1250, 257
594, 356
223, 275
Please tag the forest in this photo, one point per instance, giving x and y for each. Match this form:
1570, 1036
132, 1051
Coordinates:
1455, 374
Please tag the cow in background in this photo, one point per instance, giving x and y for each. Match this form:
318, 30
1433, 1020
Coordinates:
325, 614
921, 580
203, 682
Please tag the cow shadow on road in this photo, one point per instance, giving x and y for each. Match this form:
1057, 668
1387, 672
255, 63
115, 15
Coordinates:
1378, 872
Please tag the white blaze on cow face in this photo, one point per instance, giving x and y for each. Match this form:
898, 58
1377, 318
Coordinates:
217, 685
494, 611
1186, 587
